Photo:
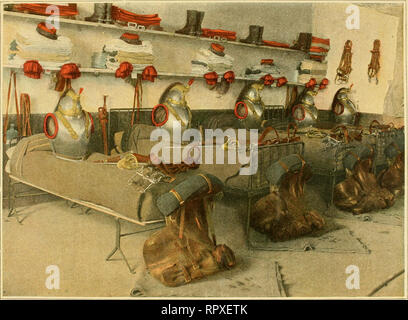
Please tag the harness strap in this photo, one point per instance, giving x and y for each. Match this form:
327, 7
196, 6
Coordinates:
178, 197
25, 105
66, 124
7, 107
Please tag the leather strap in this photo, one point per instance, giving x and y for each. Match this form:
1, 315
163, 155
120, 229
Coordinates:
25, 105
283, 165
374, 65
210, 186
6, 118
178, 197
344, 68
137, 100
103, 120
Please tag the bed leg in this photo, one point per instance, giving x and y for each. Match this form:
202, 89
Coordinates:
11, 199
118, 248
248, 221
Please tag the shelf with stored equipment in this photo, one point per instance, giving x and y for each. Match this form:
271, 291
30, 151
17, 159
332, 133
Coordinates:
98, 72
144, 30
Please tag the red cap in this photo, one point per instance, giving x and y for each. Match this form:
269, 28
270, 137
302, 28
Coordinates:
149, 73
229, 76
311, 83
130, 36
43, 27
281, 81
217, 47
32, 69
124, 70
70, 71
323, 84
211, 78
268, 79
267, 61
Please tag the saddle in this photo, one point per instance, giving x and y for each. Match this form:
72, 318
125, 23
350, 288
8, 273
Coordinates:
282, 214
186, 249
360, 192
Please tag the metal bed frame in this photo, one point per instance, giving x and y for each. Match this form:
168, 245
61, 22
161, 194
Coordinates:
381, 141
12, 212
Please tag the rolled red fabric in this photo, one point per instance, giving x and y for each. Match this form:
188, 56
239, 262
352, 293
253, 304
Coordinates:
124, 70
41, 8
211, 78
229, 76
70, 71
275, 44
320, 40
142, 19
149, 73
32, 69
281, 81
268, 79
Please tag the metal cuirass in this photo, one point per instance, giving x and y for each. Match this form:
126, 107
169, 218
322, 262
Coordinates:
177, 108
70, 131
305, 113
251, 97
344, 110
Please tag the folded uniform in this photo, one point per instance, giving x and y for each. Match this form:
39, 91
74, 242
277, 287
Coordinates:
129, 48
42, 44
266, 66
212, 59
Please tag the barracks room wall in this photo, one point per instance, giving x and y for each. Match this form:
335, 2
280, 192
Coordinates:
281, 23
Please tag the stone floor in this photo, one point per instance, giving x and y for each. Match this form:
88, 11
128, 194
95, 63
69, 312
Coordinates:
52, 233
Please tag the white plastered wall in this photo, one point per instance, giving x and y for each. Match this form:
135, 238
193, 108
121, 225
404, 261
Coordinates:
330, 20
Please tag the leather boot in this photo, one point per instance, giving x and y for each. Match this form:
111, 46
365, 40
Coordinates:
200, 17
253, 35
191, 24
259, 41
303, 42
99, 13
108, 17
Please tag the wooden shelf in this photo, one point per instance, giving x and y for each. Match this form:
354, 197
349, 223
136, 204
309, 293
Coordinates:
134, 74
155, 32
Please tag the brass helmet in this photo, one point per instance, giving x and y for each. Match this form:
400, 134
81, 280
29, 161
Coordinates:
304, 112
69, 128
343, 109
173, 107
249, 107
